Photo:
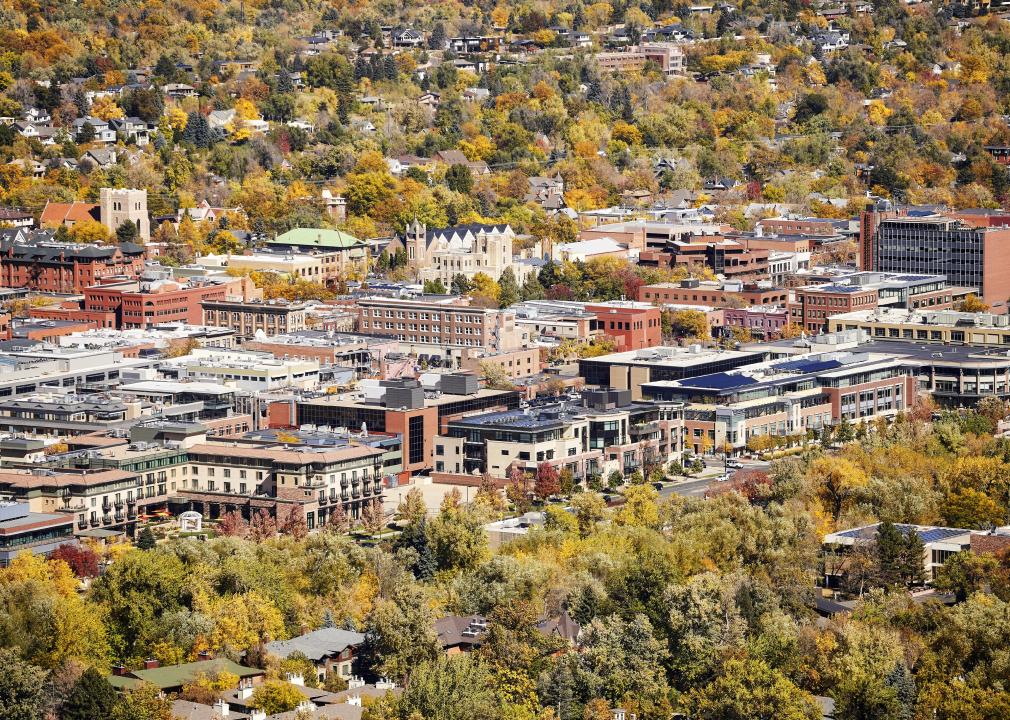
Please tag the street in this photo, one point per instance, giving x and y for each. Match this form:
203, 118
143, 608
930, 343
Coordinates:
696, 487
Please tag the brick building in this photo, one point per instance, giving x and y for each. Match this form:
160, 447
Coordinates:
633, 325
246, 318
712, 293
65, 267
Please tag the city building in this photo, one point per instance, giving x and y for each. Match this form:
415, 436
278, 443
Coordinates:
632, 325
243, 369
441, 326
732, 259
606, 432
249, 319
788, 397
308, 479
49, 266
630, 370
327, 267
947, 327
152, 300
443, 253
401, 407
342, 255
668, 56
714, 293
813, 305
927, 243
39, 533
761, 321
361, 353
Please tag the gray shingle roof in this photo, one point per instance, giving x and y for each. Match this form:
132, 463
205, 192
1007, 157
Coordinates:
317, 644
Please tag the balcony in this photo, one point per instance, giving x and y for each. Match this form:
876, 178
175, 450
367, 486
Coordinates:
323, 499
106, 519
120, 516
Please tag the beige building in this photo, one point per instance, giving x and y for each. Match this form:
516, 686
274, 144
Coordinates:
321, 267
948, 327
118, 206
466, 250
272, 317
668, 56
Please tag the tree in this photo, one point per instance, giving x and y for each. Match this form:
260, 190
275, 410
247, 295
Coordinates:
508, 289
89, 231
966, 573
23, 693
689, 324
615, 479
862, 697
142, 703
435, 287
899, 555
972, 304
457, 687
412, 509
81, 559
838, 482
232, 524
438, 38
459, 178
548, 481
294, 523
275, 696
127, 232
92, 697
748, 689
399, 633
589, 510
263, 526
373, 518
461, 285
146, 541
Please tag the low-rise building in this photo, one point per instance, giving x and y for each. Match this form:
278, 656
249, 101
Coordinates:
331, 650
39, 533
714, 293
606, 432
789, 397
948, 327
246, 370
940, 544
251, 318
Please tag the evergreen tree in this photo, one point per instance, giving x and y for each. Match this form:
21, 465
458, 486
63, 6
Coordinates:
197, 132
145, 541
86, 133
284, 83
459, 179
438, 39
903, 683
81, 102
92, 698
127, 232
415, 536
508, 289
328, 619
460, 284
360, 68
23, 688
390, 71
532, 289
435, 287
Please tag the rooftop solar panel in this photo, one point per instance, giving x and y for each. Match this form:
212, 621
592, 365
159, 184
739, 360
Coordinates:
718, 381
928, 534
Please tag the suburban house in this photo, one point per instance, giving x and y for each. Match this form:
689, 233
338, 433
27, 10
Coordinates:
329, 649
172, 678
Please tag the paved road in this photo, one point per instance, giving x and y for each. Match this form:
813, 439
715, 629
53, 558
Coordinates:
696, 487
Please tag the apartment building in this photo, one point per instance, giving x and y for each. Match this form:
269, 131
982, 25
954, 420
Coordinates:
230, 475
788, 397
439, 325
606, 432
340, 255
249, 318
632, 325
729, 258
669, 57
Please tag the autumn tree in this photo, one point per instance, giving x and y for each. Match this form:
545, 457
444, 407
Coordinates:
548, 481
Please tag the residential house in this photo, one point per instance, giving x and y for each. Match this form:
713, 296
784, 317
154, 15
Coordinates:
172, 678
331, 650
131, 128
407, 37
178, 90
103, 132
456, 157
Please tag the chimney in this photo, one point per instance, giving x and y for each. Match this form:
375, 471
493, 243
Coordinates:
119, 670
151, 664
222, 708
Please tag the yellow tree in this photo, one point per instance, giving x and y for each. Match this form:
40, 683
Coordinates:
838, 482
89, 231
105, 108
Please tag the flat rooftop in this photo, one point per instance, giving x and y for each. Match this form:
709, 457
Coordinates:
667, 355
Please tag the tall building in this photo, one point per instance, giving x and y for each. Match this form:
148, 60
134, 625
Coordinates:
928, 243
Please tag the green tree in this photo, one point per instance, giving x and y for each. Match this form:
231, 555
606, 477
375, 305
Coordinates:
435, 287
508, 289
461, 285
146, 541
459, 179
399, 633
748, 689
458, 687
127, 232
92, 697
23, 693
861, 697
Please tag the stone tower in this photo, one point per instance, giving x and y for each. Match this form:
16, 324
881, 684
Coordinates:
415, 242
125, 205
